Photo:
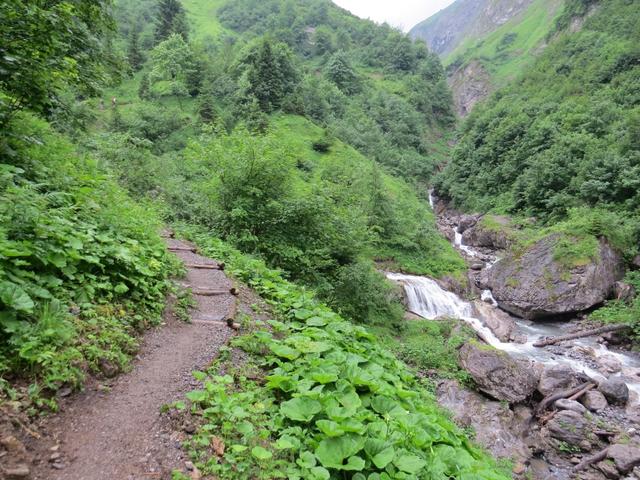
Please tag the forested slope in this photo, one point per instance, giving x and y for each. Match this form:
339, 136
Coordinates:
559, 147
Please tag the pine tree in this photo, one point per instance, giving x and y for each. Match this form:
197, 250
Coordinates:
171, 19
340, 72
143, 90
133, 50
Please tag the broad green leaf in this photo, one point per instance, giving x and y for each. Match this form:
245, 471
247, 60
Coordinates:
261, 453
332, 451
329, 428
301, 409
409, 463
306, 459
197, 396
15, 297
319, 473
284, 351
316, 322
354, 463
379, 452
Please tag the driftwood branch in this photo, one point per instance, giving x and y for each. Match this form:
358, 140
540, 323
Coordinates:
601, 455
584, 333
548, 400
582, 392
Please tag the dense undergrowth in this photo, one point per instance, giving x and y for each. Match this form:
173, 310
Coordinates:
82, 267
319, 398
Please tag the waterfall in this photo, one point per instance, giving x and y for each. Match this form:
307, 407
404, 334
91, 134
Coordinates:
457, 241
427, 299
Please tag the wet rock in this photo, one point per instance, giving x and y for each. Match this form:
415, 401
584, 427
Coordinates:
556, 377
19, 472
496, 373
466, 222
569, 426
594, 401
608, 469
625, 456
498, 321
615, 390
531, 284
498, 428
566, 404
608, 364
476, 266
623, 291
492, 231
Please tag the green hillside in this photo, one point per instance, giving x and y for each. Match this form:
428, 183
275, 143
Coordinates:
510, 48
560, 146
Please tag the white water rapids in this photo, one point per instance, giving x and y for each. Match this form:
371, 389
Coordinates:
427, 299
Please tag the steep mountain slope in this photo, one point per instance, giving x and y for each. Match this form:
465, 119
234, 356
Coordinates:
484, 44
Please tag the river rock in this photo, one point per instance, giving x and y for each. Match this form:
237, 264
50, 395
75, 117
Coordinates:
615, 390
569, 426
465, 222
556, 377
491, 232
533, 285
496, 373
636, 262
625, 456
566, 404
19, 472
594, 401
608, 364
498, 321
608, 469
497, 428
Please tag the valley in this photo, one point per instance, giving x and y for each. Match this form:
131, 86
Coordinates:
263, 239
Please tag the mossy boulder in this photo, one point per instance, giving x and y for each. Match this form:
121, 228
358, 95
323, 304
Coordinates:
555, 275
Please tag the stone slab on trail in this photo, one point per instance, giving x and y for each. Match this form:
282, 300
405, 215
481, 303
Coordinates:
121, 434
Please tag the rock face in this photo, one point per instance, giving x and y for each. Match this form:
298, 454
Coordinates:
497, 374
498, 428
556, 377
614, 390
569, 426
493, 233
624, 456
534, 285
470, 84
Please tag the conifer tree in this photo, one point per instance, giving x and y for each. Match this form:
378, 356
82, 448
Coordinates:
143, 91
171, 19
133, 50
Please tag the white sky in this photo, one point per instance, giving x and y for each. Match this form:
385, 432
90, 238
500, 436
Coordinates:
397, 13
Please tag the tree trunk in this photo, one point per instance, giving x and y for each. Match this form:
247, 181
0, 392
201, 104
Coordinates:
584, 333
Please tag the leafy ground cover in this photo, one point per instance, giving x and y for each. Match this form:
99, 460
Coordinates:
319, 398
82, 267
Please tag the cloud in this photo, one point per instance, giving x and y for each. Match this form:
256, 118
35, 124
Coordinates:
398, 13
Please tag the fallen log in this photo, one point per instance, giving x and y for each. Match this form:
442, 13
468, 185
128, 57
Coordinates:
571, 392
601, 455
584, 333
582, 392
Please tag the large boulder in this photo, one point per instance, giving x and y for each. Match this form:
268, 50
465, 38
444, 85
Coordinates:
491, 231
556, 377
496, 373
534, 284
594, 401
502, 431
615, 390
498, 321
625, 456
569, 426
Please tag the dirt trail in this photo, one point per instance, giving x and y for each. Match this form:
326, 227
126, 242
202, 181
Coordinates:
121, 434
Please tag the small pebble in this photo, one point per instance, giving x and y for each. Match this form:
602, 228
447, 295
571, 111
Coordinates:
189, 466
